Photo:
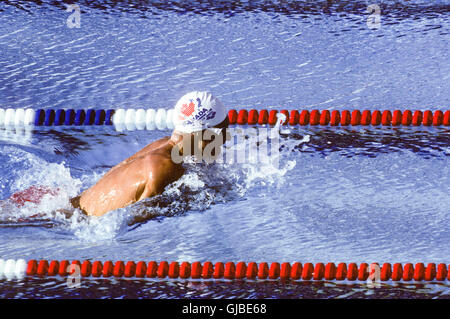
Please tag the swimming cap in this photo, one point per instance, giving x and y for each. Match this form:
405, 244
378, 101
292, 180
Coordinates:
196, 111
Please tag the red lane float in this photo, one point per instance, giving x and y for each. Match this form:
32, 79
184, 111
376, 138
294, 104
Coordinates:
241, 270
343, 118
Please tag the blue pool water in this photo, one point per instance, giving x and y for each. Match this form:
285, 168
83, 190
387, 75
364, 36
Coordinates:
338, 195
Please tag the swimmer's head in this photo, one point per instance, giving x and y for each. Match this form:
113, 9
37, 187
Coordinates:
199, 119
197, 111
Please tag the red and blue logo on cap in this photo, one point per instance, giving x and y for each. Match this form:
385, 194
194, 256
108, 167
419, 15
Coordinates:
188, 109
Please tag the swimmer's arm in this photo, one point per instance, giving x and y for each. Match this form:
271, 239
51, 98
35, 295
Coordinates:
154, 186
163, 173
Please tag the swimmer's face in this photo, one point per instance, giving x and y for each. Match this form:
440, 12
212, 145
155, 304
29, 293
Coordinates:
216, 134
195, 143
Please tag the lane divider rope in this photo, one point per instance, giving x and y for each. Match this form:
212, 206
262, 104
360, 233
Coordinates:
160, 119
20, 268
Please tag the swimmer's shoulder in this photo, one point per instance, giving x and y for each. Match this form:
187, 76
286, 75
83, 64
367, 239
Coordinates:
162, 157
158, 143
142, 153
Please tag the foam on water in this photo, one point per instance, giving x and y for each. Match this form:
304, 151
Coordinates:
31, 170
200, 187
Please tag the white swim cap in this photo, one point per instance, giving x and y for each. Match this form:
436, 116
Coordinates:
196, 111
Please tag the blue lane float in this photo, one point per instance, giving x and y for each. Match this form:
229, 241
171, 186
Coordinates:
121, 119
59, 117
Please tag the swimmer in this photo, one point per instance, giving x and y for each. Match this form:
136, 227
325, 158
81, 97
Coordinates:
149, 171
